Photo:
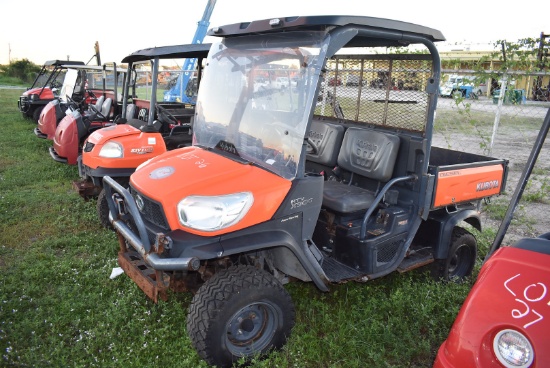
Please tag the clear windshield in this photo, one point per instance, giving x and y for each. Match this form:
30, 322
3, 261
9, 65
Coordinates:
255, 98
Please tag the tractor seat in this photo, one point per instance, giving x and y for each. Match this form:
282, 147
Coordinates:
369, 154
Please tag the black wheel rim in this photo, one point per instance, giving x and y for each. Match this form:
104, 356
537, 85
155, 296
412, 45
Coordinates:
461, 261
252, 328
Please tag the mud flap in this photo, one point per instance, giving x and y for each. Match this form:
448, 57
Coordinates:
86, 189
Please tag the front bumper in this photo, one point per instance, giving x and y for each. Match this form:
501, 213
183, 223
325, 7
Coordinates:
39, 134
122, 210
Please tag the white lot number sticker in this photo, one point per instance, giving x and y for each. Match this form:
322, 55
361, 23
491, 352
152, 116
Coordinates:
533, 295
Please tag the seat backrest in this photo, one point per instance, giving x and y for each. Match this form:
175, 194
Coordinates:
99, 103
328, 139
106, 107
369, 153
130, 111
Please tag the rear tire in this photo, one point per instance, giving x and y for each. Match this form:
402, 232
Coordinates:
240, 312
461, 259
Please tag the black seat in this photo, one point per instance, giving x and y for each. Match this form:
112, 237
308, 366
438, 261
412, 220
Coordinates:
368, 153
539, 245
327, 138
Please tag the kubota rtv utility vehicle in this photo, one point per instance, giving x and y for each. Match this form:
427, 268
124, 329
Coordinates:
76, 126
118, 150
277, 186
87, 81
505, 320
45, 88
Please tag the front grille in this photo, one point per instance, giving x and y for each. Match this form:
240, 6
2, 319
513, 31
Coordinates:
152, 211
23, 103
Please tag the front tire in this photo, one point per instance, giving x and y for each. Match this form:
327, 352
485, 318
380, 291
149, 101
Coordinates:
103, 210
36, 114
102, 206
461, 259
239, 312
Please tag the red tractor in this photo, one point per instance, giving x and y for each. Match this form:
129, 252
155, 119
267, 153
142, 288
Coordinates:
45, 88
79, 81
505, 320
78, 124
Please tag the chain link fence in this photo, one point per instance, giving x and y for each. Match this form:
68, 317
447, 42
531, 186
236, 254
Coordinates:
471, 116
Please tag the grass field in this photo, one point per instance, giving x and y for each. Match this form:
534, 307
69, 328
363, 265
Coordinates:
59, 308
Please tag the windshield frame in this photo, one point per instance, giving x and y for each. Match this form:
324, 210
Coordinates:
257, 97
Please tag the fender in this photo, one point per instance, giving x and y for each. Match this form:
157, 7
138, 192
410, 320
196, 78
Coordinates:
66, 139
442, 223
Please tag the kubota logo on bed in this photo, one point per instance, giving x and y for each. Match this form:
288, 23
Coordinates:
487, 185
142, 150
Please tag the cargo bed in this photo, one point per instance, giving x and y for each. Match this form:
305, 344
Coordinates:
464, 177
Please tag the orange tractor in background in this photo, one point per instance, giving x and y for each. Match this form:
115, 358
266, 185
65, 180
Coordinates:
151, 127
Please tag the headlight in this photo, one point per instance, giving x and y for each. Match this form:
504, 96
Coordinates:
33, 97
214, 213
111, 150
513, 349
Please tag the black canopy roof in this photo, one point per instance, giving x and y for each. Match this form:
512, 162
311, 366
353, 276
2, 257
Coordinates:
195, 50
326, 23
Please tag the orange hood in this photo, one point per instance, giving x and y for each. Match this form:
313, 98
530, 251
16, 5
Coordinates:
138, 147
171, 177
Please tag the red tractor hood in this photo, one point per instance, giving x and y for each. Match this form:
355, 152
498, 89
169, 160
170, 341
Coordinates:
45, 93
171, 177
512, 291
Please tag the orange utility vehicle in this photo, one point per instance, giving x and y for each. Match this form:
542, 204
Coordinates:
278, 187
118, 150
76, 126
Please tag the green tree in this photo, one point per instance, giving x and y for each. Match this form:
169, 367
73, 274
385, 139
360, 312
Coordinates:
22, 69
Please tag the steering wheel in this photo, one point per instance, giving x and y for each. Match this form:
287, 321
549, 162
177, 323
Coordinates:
91, 93
97, 112
164, 113
72, 103
312, 148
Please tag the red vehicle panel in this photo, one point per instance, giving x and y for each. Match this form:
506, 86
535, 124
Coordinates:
511, 293
47, 122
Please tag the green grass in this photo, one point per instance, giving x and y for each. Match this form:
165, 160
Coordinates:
59, 308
